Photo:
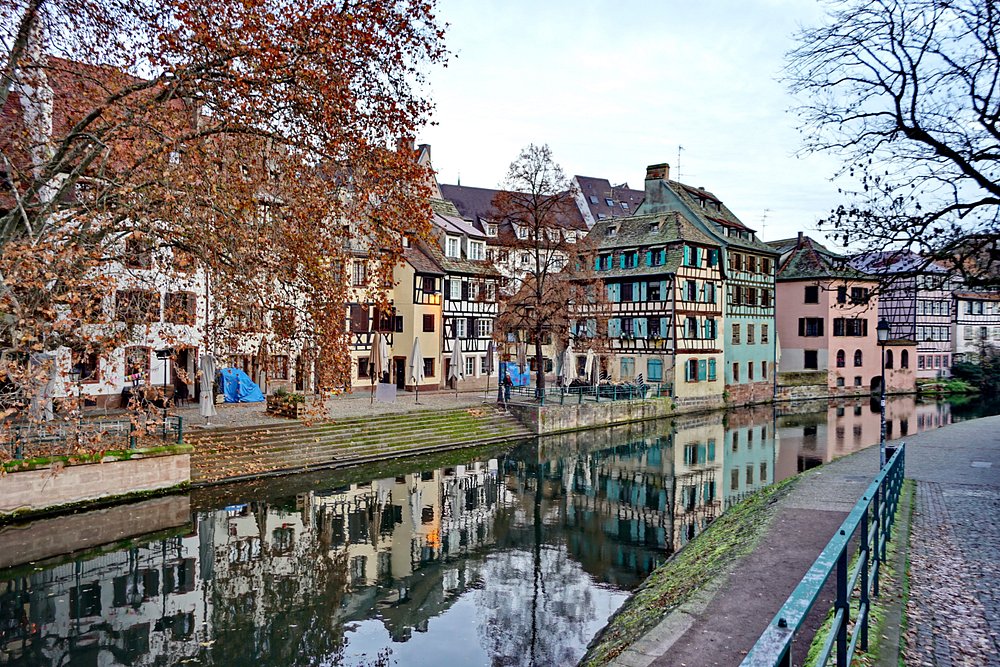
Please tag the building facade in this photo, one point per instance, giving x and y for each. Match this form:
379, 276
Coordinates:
976, 330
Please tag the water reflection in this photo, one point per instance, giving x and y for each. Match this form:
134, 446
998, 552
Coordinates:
514, 559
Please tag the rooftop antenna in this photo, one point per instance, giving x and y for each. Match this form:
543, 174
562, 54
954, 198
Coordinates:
460, 179
679, 149
763, 220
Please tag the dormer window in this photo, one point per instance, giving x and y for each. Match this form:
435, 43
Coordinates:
624, 205
612, 231
609, 202
477, 250
491, 230
406, 241
522, 232
593, 199
654, 226
453, 247
601, 216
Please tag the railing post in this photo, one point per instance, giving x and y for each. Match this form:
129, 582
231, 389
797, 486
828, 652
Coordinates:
180, 429
131, 434
877, 517
864, 549
844, 603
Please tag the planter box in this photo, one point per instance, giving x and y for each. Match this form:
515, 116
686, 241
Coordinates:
277, 405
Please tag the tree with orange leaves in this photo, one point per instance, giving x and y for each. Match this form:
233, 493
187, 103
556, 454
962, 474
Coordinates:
253, 140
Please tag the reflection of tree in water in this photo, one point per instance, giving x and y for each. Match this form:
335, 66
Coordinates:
536, 604
288, 613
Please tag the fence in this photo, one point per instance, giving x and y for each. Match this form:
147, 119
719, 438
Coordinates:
595, 393
24, 441
871, 518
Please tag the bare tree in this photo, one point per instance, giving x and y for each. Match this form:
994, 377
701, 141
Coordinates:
538, 201
907, 93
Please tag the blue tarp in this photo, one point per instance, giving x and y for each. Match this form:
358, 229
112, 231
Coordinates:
237, 387
520, 378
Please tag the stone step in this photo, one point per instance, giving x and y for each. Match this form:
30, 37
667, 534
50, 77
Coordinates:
490, 431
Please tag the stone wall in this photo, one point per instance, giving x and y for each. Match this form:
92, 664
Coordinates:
69, 533
750, 392
555, 418
44, 488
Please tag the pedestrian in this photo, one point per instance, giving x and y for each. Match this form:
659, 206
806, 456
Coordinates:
507, 384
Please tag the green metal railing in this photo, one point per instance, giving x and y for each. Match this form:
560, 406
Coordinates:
871, 519
22, 441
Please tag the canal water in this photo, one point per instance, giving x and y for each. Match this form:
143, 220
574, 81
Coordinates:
513, 556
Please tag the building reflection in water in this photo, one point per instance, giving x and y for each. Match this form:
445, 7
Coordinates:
517, 559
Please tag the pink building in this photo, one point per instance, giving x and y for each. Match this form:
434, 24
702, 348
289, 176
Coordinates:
826, 317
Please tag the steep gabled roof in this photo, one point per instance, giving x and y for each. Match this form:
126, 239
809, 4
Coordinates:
419, 258
669, 229
596, 192
806, 259
895, 262
471, 203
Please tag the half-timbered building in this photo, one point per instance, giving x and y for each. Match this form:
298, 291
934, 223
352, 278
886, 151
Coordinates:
748, 266
663, 285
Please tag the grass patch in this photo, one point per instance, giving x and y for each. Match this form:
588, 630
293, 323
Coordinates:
731, 536
945, 386
94, 457
891, 583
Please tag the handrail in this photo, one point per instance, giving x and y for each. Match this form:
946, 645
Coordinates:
871, 518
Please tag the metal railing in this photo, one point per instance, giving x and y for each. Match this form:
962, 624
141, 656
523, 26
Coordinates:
872, 519
596, 393
24, 441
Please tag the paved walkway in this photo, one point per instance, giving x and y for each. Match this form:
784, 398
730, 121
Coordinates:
954, 612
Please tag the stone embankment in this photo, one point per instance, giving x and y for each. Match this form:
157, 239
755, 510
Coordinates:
227, 454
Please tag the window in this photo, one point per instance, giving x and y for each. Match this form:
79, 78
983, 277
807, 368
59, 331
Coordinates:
690, 290
136, 363
842, 294
428, 367
627, 367
470, 366
920, 362
752, 263
522, 231
626, 292
477, 250
491, 230
736, 334
858, 359
904, 359
455, 290
484, 327
765, 298
841, 359
279, 366
736, 261
630, 259
811, 294
428, 285
750, 371
763, 333
750, 334
857, 380
429, 323
763, 370
810, 326
525, 258
359, 318
181, 308
656, 257
765, 265
654, 370
888, 359
458, 327
810, 359
850, 327
593, 199
359, 274
709, 292
452, 247
88, 364
609, 202
134, 306
692, 327
653, 291
138, 252
624, 206
859, 295
736, 371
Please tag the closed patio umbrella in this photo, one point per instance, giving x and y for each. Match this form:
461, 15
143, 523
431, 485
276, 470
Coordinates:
566, 366
522, 357
416, 368
375, 359
588, 366
456, 370
206, 404
489, 365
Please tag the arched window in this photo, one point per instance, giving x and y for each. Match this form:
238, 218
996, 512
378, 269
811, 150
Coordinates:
904, 359
888, 358
841, 359
857, 358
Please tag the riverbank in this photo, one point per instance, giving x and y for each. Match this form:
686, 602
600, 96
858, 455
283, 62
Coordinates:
954, 563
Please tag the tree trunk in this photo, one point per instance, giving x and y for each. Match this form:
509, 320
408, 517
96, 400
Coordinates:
540, 366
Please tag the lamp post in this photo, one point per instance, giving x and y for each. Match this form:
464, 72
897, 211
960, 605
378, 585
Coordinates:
882, 330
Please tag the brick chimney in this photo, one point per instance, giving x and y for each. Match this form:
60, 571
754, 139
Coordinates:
657, 192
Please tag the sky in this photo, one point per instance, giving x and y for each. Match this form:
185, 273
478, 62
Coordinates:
615, 86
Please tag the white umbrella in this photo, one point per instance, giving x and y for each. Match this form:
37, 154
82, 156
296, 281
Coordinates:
522, 357
456, 370
375, 359
565, 368
206, 402
588, 366
416, 368
383, 350
489, 365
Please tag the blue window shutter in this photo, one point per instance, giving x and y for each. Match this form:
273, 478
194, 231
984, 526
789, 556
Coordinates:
687, 255
663, 291
614, 327
609, 288
592, 328
663, 328
649, 258
641, 287
597, 263
687, 371
713, 257
621, 260
702, 371
711, 369
640, 327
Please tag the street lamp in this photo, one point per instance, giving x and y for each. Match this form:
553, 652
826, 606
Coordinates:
76, 376
882, 330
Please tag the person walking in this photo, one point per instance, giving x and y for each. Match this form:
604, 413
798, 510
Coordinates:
507, 384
